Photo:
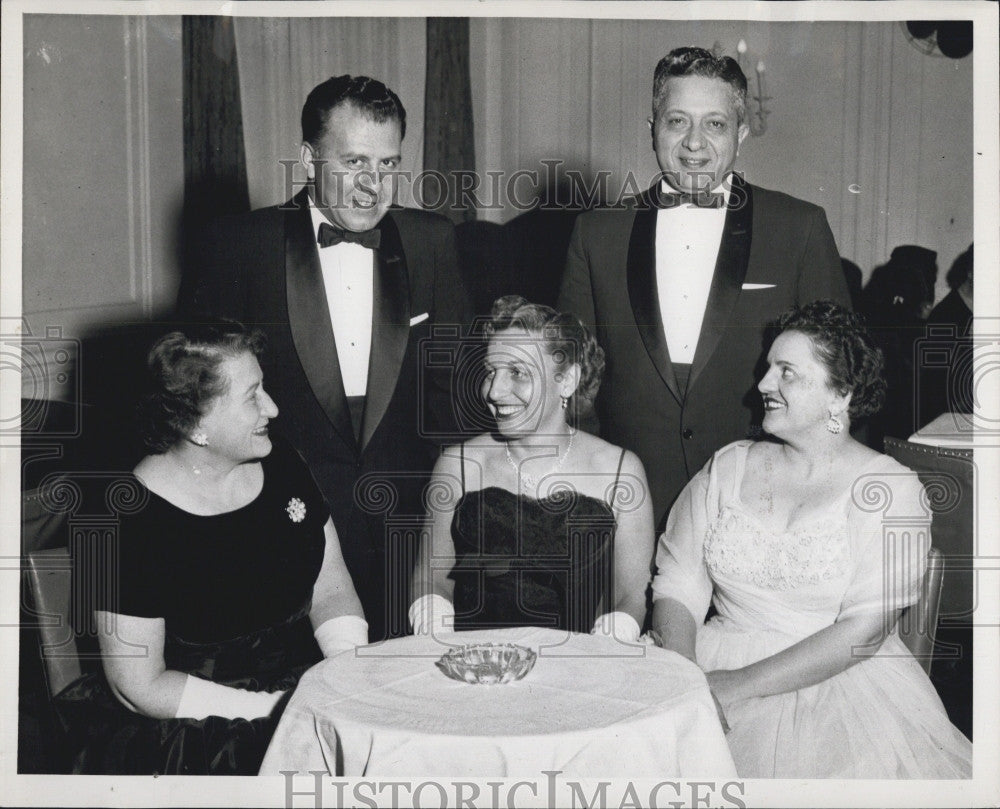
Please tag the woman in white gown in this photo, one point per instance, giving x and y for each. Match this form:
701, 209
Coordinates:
809, 544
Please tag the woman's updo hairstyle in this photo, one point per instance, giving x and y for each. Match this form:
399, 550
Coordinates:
843, 345
183, 378
563, 337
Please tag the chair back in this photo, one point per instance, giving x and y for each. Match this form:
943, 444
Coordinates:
918, 623
949, 478
50, 577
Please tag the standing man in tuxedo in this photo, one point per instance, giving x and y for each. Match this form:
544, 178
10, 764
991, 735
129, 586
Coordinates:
346, 288
680, 283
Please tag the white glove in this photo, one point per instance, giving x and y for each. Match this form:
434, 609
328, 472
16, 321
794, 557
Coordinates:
618, 625
432, 613
202, 698
341, 633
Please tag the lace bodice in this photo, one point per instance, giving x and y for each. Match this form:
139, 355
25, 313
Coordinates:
739, 547
840, 562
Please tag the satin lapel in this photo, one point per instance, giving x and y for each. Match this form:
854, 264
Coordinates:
390, 326
309, 320
642, 292
727, 281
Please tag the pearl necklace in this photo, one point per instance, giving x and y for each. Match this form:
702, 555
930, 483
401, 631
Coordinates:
529, 482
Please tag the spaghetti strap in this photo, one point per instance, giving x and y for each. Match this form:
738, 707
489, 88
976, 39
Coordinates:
618, 474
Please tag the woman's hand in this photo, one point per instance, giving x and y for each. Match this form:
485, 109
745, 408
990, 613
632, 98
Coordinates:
143, 683
674, 628
721, 713
718, 681
652, 638
723, 684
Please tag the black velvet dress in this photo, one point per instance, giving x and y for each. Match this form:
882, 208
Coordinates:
234, 590
522, 561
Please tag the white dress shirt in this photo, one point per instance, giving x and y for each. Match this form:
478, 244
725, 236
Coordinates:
348, 277
687, 246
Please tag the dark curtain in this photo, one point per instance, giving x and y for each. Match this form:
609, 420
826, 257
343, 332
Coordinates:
448, 136
215, 173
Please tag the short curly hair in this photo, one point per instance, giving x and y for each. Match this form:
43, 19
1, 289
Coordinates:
183, 378
564, 338
841, 342
682, 62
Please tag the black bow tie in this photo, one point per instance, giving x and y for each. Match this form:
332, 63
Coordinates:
702, 199
330, 235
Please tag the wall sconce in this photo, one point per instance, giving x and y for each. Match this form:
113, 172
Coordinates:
757, 110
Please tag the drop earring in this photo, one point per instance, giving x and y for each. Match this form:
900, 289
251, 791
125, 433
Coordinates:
199, 438
834, 425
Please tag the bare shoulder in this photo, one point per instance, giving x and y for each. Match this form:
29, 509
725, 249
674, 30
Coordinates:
463, 459
867, 465
858, 461
756, 452
860, 455
599, 455
147, 466
158, 476
746, 453
152, 471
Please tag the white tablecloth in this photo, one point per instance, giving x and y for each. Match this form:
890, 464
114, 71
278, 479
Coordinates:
590, 707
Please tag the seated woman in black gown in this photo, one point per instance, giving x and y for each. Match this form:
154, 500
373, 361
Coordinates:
536, 523
231, 578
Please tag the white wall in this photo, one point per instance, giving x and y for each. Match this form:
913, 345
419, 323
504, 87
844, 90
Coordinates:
103, 176
861, 123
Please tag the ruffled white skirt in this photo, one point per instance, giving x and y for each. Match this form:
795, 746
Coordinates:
881, 718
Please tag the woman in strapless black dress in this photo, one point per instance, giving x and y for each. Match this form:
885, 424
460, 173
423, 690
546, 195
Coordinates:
536, 523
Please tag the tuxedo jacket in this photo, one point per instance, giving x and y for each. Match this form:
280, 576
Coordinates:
776, 251
263, 269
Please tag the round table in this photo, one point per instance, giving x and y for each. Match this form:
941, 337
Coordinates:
591, 706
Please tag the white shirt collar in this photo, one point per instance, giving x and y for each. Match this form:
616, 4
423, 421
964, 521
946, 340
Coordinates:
725, 188
317, 218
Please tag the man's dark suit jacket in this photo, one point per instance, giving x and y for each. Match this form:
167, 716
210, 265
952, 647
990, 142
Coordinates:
263, 269
776, 251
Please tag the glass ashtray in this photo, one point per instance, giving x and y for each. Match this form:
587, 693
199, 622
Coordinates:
487, 663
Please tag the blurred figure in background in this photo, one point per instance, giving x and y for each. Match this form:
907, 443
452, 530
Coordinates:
896, 302
945, 365
853, 277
